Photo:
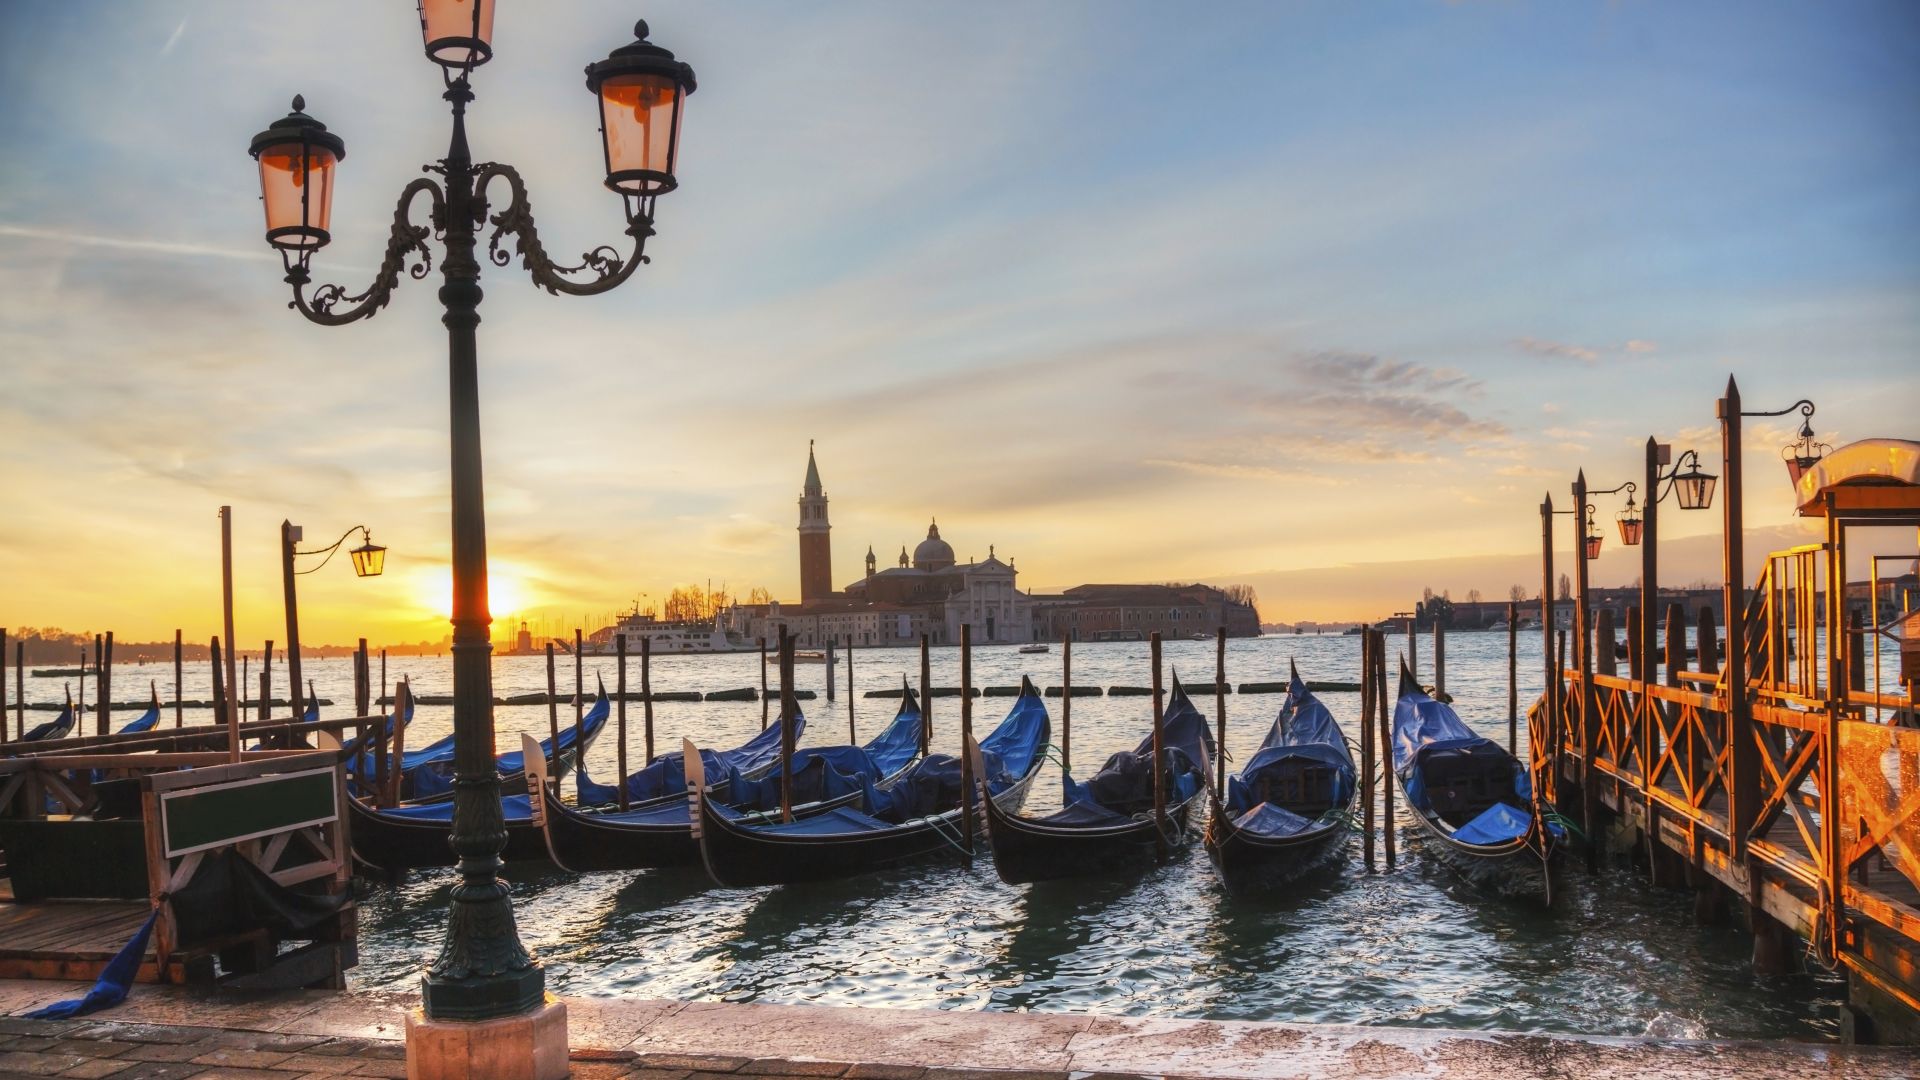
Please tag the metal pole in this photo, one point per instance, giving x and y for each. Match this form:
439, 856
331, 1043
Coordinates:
1220, 708
293, 620
1543, 746
620, 722
226, 609
1159, 766
482, 971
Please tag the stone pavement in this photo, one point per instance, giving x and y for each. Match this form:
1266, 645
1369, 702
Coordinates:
168, 1032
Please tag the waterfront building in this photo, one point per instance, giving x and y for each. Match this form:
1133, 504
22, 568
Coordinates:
1134, 612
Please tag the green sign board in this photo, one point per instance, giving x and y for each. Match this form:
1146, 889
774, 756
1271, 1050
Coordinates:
197, 819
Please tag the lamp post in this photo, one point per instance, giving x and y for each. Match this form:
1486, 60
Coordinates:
1694, 490
1743, 790
483, 972
369, 560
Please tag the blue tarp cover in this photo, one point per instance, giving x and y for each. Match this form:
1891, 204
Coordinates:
1305, 729
515, 807
1270, 820
666, 774
1497, 824
434, 774
1126, 779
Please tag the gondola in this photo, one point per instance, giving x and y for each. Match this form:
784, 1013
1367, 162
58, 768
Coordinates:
660, 832
1474, 799
917, 818
426, 775
664, 779
415, 835
146, 720
1107, 825
57, 728
1289, 812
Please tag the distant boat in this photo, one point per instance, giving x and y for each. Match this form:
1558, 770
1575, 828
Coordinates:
810, 656
1036, 647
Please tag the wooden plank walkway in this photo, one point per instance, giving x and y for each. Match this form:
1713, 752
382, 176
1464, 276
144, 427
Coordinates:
69, 939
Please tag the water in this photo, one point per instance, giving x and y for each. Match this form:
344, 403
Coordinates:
1415, 946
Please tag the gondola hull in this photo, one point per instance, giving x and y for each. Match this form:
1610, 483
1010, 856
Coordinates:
1517, 868
397, 844
740, 856
1026, 850
1248, 862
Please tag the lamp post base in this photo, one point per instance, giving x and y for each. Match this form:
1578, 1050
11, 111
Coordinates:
527, 1046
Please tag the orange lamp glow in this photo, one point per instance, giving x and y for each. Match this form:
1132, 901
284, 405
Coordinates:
297, 156
457, 33
642, 89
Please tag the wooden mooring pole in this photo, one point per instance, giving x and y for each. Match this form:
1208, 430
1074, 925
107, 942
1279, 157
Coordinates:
20, 687
553, 709
620, 719
765, 704
1439, 660
853, 739
1220, 709
1066, 702
1513, 676
1159, 764
966, 733
235, 692
926, 697
99, 685
266, 681
1385, 714
179, 679
646, 701
1368, 780
402, 701
786, 724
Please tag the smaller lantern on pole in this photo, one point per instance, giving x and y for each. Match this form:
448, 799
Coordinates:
1804, 452
1594, 536
1631, 524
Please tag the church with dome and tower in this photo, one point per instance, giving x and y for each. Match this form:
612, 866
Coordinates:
931, 593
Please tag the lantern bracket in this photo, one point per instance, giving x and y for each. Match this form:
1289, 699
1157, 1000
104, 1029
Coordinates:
405, 241
330, 549
607, 265
1664, 483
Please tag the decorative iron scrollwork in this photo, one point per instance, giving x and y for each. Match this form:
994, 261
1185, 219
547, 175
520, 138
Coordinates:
332, 305
605, 263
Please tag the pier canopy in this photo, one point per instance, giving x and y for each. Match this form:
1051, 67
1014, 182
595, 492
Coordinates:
1869, 478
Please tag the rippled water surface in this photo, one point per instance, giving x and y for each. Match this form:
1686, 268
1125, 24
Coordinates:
1411, 946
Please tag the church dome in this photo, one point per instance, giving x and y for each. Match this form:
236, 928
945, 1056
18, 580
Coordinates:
933, 552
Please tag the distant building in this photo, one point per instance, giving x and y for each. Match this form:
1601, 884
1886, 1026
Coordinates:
816, 540
1135, 612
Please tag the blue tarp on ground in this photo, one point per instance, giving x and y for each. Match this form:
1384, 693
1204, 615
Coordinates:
666, 774
111, 987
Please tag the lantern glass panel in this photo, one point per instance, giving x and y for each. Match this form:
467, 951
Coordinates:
1630, 531
640, 118
296, 187
1593, 546
457, 33
369, 560
1695, 489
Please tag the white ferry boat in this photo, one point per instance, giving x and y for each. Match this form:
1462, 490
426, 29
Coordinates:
690, 636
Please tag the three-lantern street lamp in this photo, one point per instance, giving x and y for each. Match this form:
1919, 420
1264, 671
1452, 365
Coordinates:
482, 971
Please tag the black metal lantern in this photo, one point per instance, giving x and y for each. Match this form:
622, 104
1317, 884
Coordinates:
297, 155
1803, 453
1630, 524
1593, 536
642, 90
369, 559
1694, 488
457, 33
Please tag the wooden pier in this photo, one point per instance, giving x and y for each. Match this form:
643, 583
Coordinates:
1782, 784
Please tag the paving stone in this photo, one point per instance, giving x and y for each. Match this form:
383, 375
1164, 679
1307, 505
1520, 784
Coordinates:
94, 1068
233, 1057
100, 1048
229, 1072
994, 1074
341, 1047
164, 1070
142, 1033
21, 1025
265, 1040
33, 1063
396, 1070
597, 1070
31, 1043
657, 1074
318, 1065
781, 1067
710, 1063
162, 1052
875, 1071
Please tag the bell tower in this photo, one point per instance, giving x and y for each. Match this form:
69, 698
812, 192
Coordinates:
816, 547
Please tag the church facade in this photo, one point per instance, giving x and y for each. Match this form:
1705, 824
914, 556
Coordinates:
933, 593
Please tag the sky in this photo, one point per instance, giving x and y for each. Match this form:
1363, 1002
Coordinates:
1318, 297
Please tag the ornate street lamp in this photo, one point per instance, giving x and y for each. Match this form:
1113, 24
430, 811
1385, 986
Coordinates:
483, 972
369, 559
1594, 536
1694, 488
1803, 453
1630, 523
